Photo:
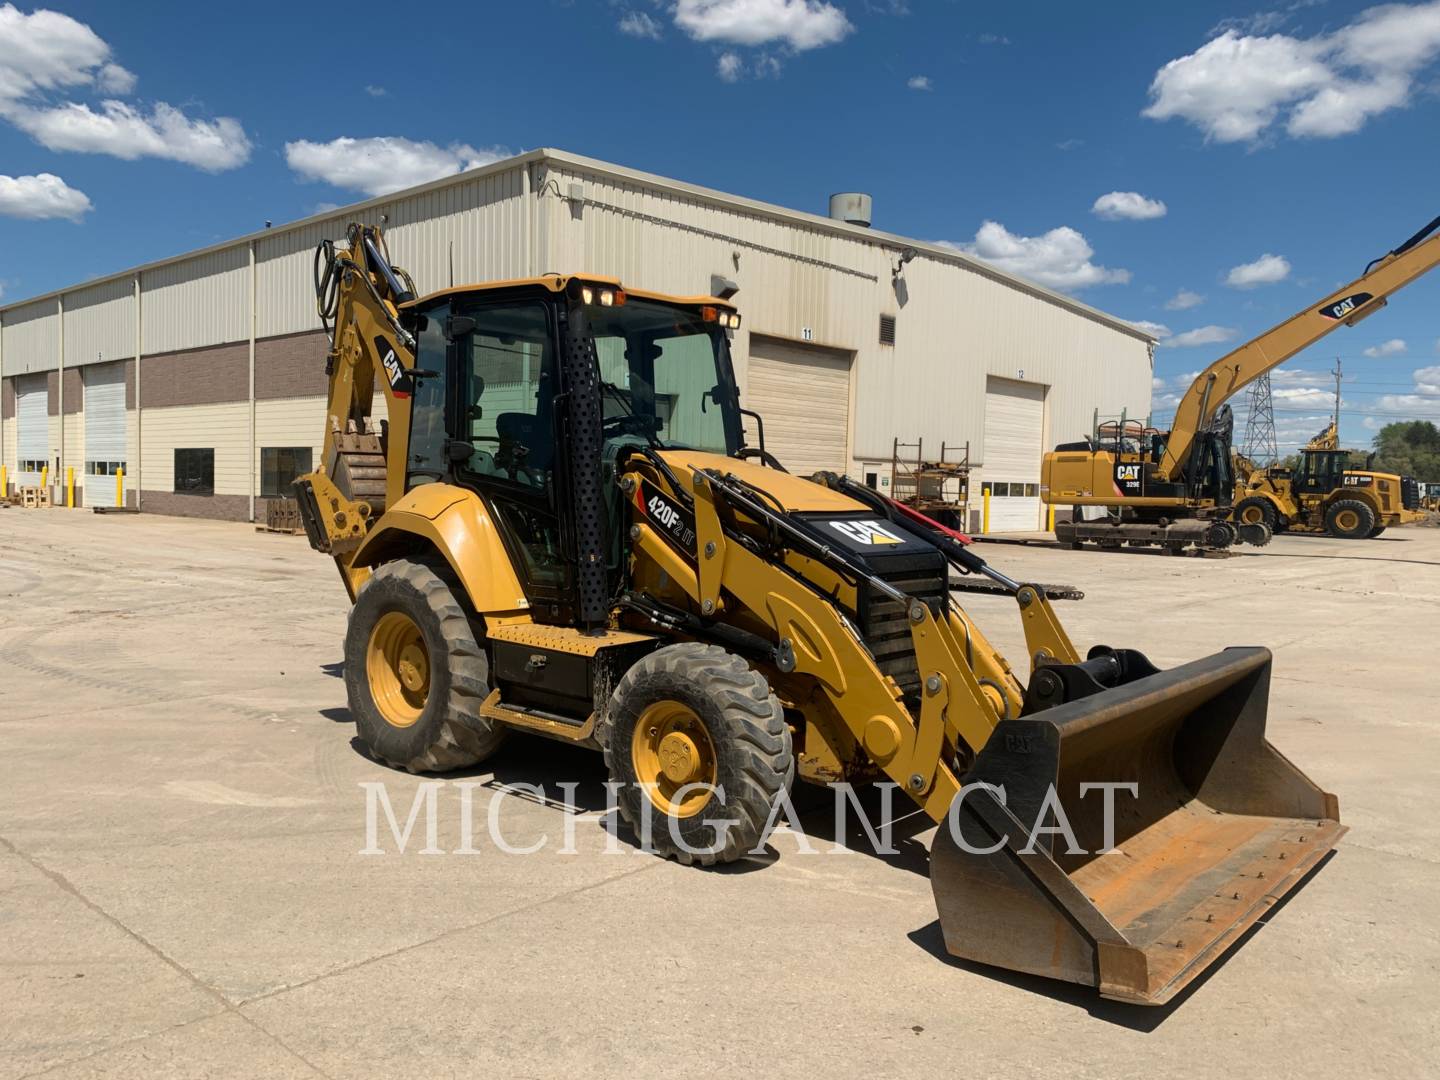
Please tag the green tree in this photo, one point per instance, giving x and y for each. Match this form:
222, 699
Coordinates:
1410, 448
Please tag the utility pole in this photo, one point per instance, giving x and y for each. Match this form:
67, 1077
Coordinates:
1336, 373
1259, 444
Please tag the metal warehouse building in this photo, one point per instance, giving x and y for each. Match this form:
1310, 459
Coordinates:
201, 379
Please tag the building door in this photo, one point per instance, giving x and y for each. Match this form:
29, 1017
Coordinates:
104, 432
803, 392
32, 433
1014, 445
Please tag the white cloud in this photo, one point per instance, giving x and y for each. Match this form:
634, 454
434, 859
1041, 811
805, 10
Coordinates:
1285, 376
1237, 86
1154, 329
1127, 206
1157, 383
1184, 300
41, 196
729, 66
380, 165
993, 39
800, 24
1069, 144
919, 82
1421, 403
123, 131
1266, 270
1204, 335
375, 91
1393, 347
1060, 258
1304, 396
45, 53
639, 24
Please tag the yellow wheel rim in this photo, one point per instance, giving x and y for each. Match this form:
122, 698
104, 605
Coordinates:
669, 749
1252, 515
1347, 520
398, 667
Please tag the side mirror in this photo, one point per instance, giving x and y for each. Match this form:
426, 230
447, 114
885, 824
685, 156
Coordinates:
458, 451
457, 326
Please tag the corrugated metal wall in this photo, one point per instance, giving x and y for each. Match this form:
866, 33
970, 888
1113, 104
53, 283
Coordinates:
481, 222
32, 338
198, 302
100, 323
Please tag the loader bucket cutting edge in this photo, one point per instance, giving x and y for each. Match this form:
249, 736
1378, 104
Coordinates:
1221, 827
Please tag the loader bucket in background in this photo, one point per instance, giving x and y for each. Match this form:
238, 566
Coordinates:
1221, 828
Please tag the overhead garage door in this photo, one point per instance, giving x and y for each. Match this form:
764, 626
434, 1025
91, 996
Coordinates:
32, 434
803, 392
104, 431
1014, 435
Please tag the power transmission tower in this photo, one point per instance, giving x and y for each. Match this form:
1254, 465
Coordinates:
1259, 445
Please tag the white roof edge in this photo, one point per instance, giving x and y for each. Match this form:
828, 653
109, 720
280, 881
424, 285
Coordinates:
565, 158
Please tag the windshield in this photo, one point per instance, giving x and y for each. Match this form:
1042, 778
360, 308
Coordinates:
670, 371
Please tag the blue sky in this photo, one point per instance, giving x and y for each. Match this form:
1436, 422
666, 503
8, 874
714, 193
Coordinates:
1289, 144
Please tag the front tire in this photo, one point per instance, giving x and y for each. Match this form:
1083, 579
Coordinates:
1256, 510
1349, 519
694, 714
1376, 531
415, 673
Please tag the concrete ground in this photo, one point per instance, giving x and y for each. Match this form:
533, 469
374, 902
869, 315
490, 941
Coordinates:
182, 891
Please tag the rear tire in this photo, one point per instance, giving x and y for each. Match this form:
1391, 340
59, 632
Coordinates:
695, 714
415, 673
1349, 519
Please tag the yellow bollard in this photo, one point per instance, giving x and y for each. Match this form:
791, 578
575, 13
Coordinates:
985, 512
1050, 518
70, 486
4, 483
120, 486
45, 477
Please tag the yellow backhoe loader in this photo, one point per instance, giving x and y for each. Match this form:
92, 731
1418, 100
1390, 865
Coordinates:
1322, 495
1175, 488
561, 530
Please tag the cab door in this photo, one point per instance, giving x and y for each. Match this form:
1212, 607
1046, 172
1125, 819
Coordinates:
506, 383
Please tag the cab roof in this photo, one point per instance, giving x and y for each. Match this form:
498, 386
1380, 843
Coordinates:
558, 283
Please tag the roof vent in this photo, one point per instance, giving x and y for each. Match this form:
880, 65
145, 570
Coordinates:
887, 329
852, 207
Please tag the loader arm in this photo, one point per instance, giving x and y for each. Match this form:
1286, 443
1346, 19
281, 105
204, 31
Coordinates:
1346, 306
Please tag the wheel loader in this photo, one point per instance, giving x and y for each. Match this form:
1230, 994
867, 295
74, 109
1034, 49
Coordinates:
561, 529
1175, 488
1323, 495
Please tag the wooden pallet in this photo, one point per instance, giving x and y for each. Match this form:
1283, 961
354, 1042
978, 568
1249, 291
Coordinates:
34, 498
282, 516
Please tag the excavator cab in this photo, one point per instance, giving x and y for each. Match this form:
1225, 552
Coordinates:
562, 531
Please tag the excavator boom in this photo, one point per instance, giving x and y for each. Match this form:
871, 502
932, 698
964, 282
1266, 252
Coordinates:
1346, 306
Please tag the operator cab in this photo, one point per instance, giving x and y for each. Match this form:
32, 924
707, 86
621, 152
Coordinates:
502, 408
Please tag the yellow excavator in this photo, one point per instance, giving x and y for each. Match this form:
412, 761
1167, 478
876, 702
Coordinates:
560, 529
1171, 489
1323, 495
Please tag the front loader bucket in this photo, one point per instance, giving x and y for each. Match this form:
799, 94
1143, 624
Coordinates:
1221, 826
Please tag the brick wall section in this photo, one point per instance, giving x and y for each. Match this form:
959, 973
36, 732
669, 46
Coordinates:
74, 391
7, 398
130, 384
197, 377
52, 393
224, 507
291, 366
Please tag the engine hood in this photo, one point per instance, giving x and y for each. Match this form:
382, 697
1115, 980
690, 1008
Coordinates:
794, 493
